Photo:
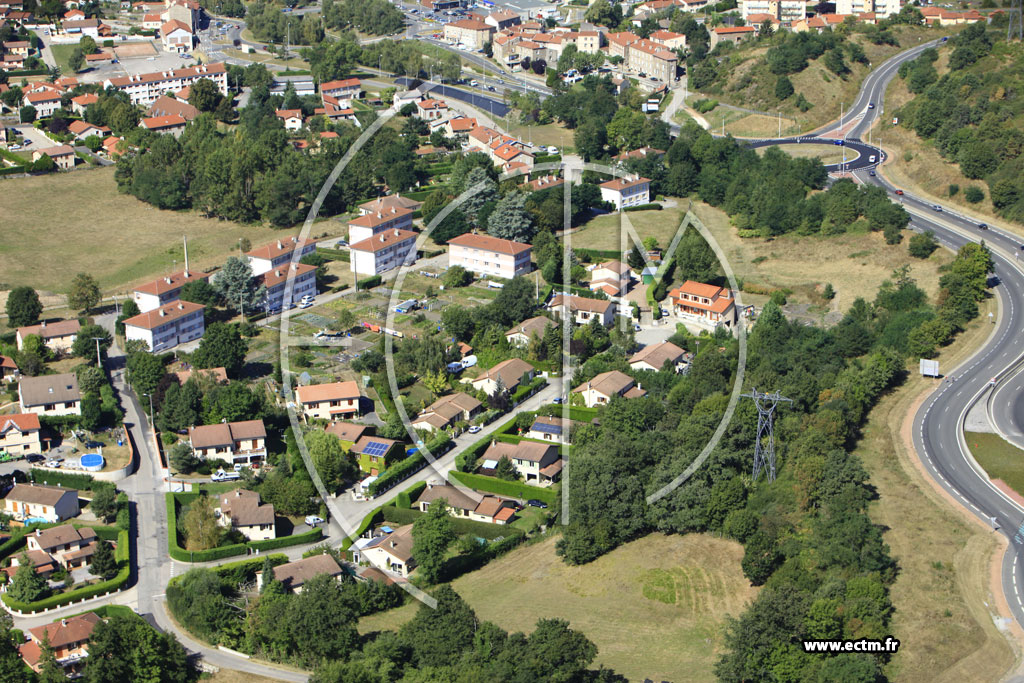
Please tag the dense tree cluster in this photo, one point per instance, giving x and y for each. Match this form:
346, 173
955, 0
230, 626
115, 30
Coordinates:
268, 23
971, 114
376, 17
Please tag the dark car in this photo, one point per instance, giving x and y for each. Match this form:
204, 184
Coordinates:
838, 142
34, 457
936, 207
534, 503
871, 173
982, 226
871, 105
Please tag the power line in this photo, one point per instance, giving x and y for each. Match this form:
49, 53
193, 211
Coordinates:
764, 455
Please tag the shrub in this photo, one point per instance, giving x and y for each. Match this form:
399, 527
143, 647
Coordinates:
953, 189
974, 194
503, 488
370, 282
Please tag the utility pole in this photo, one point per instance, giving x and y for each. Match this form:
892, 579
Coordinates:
764, 458
99, 362
150, 409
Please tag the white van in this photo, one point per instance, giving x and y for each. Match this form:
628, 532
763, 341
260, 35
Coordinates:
871, 159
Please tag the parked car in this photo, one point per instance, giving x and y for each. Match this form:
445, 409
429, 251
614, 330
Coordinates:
534, 503
14, 147
313, 520
305, 304
475, 429
53, 463
34, 457
552, 149
221, 475
558, 400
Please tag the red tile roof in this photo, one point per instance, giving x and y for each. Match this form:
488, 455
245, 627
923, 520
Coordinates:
383, 240
488, 243
164, 314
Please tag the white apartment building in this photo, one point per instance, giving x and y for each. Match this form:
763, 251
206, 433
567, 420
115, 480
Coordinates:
370, 224
144, 89
489, 256
167, 326
783, 11
277, 253
304, 282
382, 252
164, 290
623, 192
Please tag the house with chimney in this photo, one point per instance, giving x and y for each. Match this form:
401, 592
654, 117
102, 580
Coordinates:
165, 290
630, 191
614, 278
702, 305
391, 550
489, 256
382, 252
277, 253
293, 575
340, 93
468, 504
53, 395
582, 310
537, 463
303, 277
521, 334
67, 546
431, 109
653, 357
368, 224
167, 326
242, 442
330, 401
58, 336
38, 502
68, 638
144, 89
19, 433
388, 202
507, 375
242, 510
606, 386
446, 411
552, 428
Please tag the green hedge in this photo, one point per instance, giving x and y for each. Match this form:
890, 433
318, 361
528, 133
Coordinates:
644, 207
369, 283
401, 517
522, 392
547, 158
84, 593
334, 254
515, 489
68, 480
598, 253
398, 472
420, 195
220, 552
367, 522
406, 498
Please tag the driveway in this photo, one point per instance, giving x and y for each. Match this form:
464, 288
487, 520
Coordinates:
38, 138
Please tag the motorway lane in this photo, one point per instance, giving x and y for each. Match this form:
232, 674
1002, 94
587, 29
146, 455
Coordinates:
496, 108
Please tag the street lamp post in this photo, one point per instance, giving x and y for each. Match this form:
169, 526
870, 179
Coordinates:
99, 363
150, 409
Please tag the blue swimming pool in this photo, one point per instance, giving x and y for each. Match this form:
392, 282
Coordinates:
92, 462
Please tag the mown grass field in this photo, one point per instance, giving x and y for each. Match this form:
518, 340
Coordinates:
79, 222
998, 457
828, 154
654, 607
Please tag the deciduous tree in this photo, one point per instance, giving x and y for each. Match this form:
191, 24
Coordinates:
23, 307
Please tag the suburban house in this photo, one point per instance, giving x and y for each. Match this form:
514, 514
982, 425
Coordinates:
731, 34
303, 277
431, 110
63, 156
537, 463
172, 124
236, 442
277, 253
57, 336
706, 305
176, 36
640, 153
614, 278
655, 356
241, 510
165, 290
623, 192
167, 326
50, 395
521, 334
393, 551
172, 106
368, 224
292, 118
503, 19
347, 432
69, 547
469, 505
69, 639
9, 369
37, 502
446, 411
489, 256
551, 428
144, 89
19, 433
386, 203
81, 102
506, 375
329, 401
342, 92
383, 252
583, 309
83, 129
472, 33
606, 386
294, 574
375, 453
45, 102
460, 125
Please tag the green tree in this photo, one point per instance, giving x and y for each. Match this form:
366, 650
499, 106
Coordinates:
456, 276
202, 531
237, 286
84, 293
27, 585
974, 194
126, 648
103, 565
510, 219
783, 88
506, 470
432, 533
76, 60
923, 244
92, 413
221, 347
829, 292
88, 45
12, 667
145, 372
128, 310
23, 307
27, 114
104, 501
49, 670
204, 95
85, 343
199, 291
458, 322
182, 458
344, 320
695, 259
329, 457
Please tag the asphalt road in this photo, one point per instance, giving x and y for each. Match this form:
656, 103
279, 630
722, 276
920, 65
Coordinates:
495, 107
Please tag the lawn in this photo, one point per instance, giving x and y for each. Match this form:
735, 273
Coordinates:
603, 233
549, 134
655, 607
998, 457
82, 222
740, 123
828, 154
942, 596
61, 54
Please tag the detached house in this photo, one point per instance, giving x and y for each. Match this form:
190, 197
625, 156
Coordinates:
707, 306
68, 638
292, 118
392, 551
375, 453
550, 428
446, 411
347, 432
623, 192
614, 278
430, 110
9, 369
342, 92
172, 124
521, 334
20, 433
507, 375
242, 510
606, 386
236, 442
329, 401
50, 395
582, 310
469, 505
69, 547
655, 356
294, 574
37, 502
58, 336
537, 463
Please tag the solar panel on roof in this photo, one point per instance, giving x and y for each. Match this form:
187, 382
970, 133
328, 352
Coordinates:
546, 428
375, 448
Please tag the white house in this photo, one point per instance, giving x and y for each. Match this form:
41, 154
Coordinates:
19, 433
58, 336
623, 192
521, 334
614, 278
304, 283
383, 252
36, 501
706, 306
537, 463
367, 225
292, 118
654, 357
237, 442
606, 386
508, 374
330, 401
446, 411
176, 36
164, 290
391, 551
277, 253
242, 510
167, 326
583, 309
53, 395
489, 256
145, 88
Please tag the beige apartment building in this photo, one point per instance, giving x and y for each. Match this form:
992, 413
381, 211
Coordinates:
489, 256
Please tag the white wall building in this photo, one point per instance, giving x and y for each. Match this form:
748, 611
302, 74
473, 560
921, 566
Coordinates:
164, 290
277, 253
383, 252
167, 326
624, 192
489, 256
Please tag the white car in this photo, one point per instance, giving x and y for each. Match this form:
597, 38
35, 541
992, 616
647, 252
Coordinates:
305, 304
552, 150
313, 520
474, 429
14, 147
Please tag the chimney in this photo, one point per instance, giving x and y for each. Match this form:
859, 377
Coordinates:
185, 240
63, 622
162, 313
181, 306
39, 532
50, 389
167, 280
279, 245
396, 232
393, 544
42, 324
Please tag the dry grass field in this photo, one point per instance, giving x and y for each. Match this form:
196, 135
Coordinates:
828, 154
79, 222
654, 607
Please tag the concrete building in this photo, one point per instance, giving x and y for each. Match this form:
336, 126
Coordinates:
623, 192
383, 252
386, 203
165, 327
469, 32
53, 395
236, 442
277, 253
707, 306
165, 290
58, 336
606, 386
367, 225
782, 12
241, 510
489, 256
329, 401
731, 34
51, 504
144, 89
19, 433
303, 284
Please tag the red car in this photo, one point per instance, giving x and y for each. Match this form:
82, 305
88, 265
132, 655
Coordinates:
899, 192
